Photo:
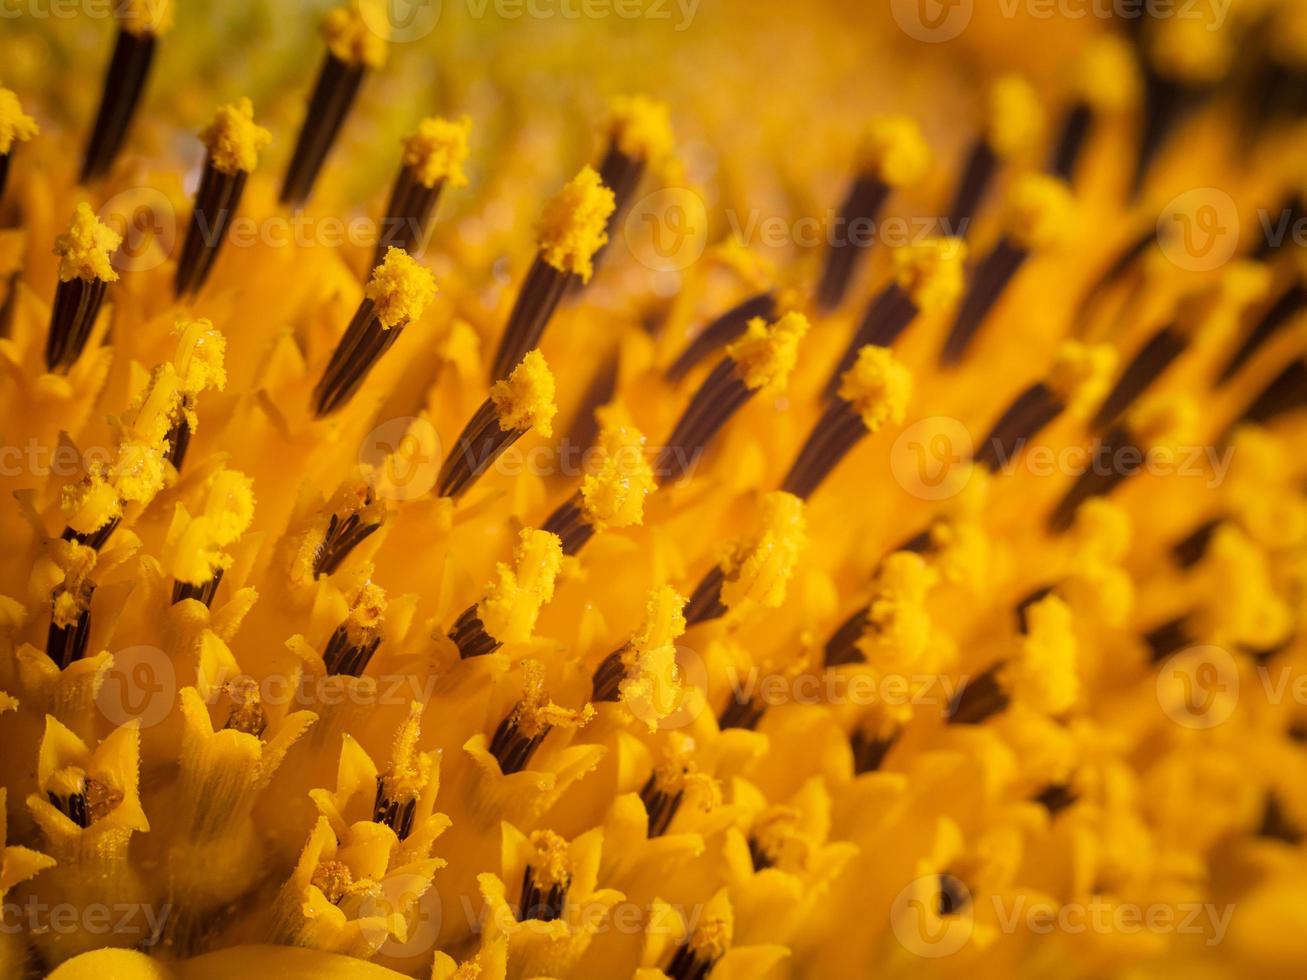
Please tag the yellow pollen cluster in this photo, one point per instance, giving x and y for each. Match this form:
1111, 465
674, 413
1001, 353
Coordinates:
651, 688
435, 152
1040, 212
613, 495
199, 541
14, 123
641, 127
145, 17
1247, 610
898, 626
84, 249
234, 139
514, 596
525, 399
91, 503
409, 770
549, 863
758, 569
1016, 117
1081, 375
573, 226
401, 288
1043, 676
1164, 421
895, 150
878, 386
766, 354
1105, 75
200, 358
536, 712
357, 33
932, 272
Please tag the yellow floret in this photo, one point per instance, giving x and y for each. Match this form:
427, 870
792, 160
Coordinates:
91, 503
356, 37
640, 127
436, 151
1016, 117
84, 249
1106, 75
233, 139
400, 288
1246, 609
878, 386
228, 510
651, 689
931, 272
716, 930
574, 224
525, 399
1040, 212
536, 712
1081, 375
514, 597
1044, 676
765, 355
899, 628
613, 495
549, 863
145, 17
14, 123
895, 150
200, 356
758, 569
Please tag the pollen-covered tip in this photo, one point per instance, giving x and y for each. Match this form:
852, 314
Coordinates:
1044, 675
15, 125
766, 354
233, 139
1106, 74
613, 494
84, 249
758, 569
878, 386
400, 289
515, 595
436, 150
640, 127
525, 399
932, 272
1040, 212
1016, 117
356, 38
573, 226
895, 150
1081, 375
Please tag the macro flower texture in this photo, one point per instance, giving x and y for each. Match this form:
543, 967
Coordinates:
680, 489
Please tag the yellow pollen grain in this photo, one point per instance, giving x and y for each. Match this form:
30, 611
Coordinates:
758, 569
613, 495
878, 386
1016, 117
91, 503
1040, 212
233, 138
1106, 74
436, 150
356, 36
549, 864
651, 688
145, 17
525, 399
15, 125
931, 272
895, 150
536, 712
1044, 676
765, 355
1081, 375
641, 127
573, 226
513, 598
401, 288
84, 249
